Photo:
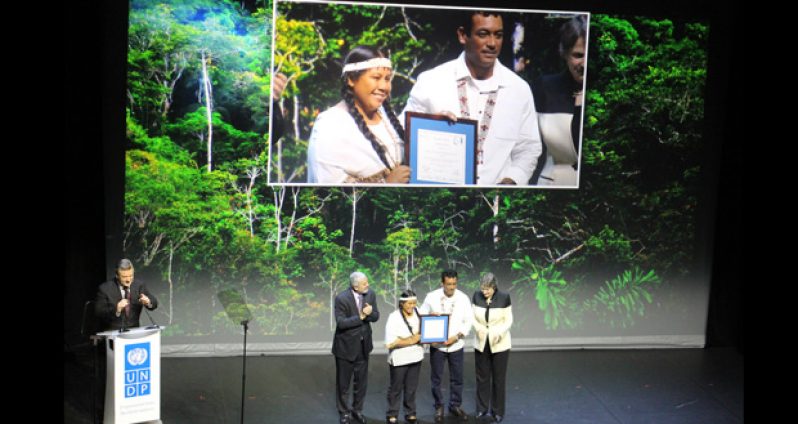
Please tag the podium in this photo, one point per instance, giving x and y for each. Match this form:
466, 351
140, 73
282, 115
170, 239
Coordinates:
133, 376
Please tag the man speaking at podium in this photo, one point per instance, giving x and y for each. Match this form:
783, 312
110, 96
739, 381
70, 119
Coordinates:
119, 301
118, 306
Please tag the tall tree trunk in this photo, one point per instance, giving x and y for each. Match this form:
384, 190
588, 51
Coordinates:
279, 146
295, 114
171, 284
408, 266
253, 174
279, 196
332, 304
354, 218
495, 209
396, 259
290, 229
206, 87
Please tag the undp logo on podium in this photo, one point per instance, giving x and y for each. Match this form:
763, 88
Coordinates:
137, 370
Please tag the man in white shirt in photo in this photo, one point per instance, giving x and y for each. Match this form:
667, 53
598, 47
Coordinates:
455, 303
477, 86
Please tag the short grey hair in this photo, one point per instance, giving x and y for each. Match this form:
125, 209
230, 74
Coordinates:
488, 280
124, 265
355, 278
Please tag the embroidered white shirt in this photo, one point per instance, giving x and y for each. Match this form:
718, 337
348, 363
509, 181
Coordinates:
460, 319
513, 146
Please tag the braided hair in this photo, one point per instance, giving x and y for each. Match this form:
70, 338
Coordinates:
359, 54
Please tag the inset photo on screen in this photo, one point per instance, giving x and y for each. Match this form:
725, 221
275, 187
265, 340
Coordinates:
431, 96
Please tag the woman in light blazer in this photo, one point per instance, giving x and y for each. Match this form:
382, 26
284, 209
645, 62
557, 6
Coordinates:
493, 317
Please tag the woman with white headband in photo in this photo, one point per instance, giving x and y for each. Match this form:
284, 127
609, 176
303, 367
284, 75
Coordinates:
359, 140
402, 334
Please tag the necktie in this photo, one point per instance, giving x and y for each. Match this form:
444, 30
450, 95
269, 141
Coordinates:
359, 299
127, 307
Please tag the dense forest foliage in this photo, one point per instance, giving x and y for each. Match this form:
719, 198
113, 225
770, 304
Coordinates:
200, 217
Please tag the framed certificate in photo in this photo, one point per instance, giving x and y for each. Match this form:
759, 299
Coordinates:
440, 151
434, 328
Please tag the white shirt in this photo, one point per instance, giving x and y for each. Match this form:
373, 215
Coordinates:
338, 152
395, 328
460, 319
513, 146
556, 131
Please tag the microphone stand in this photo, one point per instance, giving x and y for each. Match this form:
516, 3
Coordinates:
144, 308
245, 323
124, 322
154, 325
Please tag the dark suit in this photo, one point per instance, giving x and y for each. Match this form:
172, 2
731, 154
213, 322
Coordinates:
109, 294
351, 347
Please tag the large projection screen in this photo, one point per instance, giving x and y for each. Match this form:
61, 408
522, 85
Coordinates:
619, 260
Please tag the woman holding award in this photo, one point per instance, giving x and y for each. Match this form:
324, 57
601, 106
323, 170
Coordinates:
359, 140
402, 334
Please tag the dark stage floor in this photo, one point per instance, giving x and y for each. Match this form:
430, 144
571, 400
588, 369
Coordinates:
664, 386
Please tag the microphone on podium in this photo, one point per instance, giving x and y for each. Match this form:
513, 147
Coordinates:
125, 312
154, 325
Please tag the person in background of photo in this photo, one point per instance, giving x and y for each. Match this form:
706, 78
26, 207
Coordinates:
477, 86
493, 317
359, 140
402, 335
558, 99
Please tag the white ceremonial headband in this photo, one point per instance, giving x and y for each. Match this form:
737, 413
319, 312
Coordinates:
405, 299
377, 62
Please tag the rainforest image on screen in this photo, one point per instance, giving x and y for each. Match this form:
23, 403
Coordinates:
619, 256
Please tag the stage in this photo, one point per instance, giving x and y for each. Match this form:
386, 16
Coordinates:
658, 386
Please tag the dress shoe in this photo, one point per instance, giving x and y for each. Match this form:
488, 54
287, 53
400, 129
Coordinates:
482, 414
411, 419
358, 416
344, 419
439, 414
458, 411
497, 418
391, 420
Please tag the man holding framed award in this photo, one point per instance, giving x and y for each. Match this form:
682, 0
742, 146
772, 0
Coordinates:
475, 88
446, 319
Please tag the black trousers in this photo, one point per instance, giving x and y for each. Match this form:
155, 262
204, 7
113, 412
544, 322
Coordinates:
491, 371
344, 371
404, 379
437, 359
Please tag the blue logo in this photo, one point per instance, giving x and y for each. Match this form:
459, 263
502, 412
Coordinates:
137, 370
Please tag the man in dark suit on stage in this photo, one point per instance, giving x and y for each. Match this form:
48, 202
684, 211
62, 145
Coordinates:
118, 305
355, 310
119, 301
